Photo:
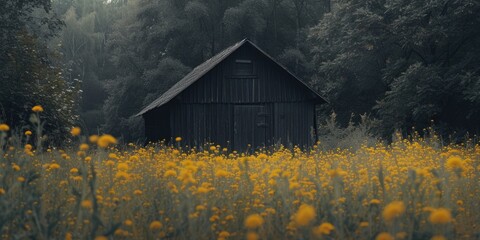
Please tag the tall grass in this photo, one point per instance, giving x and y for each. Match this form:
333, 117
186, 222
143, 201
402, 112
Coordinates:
411, 189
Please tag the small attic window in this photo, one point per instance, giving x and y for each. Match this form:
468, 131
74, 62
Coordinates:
243, 67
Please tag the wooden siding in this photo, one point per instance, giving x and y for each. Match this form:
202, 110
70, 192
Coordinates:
253, 125
157, 125
270, 83
285, 123
295, 124
201, 123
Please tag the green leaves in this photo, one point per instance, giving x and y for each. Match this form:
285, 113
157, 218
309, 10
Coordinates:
412, 57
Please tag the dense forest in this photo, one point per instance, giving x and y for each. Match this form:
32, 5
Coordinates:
96, 63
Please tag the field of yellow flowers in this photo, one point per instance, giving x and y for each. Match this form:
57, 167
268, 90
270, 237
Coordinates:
410, 189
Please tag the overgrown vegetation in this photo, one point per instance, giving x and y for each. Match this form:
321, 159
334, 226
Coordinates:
411, 189
30, 70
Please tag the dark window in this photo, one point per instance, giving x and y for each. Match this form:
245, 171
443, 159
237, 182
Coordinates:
243, 67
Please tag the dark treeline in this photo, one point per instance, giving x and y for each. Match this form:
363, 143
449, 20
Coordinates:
96, 63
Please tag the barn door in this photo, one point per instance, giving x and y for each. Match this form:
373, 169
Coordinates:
251, 126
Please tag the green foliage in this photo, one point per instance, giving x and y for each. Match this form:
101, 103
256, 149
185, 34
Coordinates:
409, 61
83, 44
144, 70
32, 72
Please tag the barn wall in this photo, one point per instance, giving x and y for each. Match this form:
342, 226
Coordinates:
294, 123
157, 125
286, 123
200, 123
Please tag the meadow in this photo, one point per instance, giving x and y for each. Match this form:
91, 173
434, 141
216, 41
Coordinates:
413, 188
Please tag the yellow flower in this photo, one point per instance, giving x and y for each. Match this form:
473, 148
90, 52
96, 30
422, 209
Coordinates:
15, 167
122, 175
128, 222
213, 148
137, 192
393, 210
304, 215
270, 210
118, 232
2, 191
28, 147
155, 225
224, 234
423, 172
77, 178
68, 236
37, 108
4, 127
93, 138
203, 190
28, 133
86, 204
170, 173
200, 208
323, 229
254, 221
54, 166
101, 238
294, 185
438, 237
105, 140
375, 201
178, 139
75, 131
74, 170
337, 172
252, 236
384, 236
122, 167
221, 173
364, 224
440, 216
83, 147
455, 162
262, 156
214, 218
21, 179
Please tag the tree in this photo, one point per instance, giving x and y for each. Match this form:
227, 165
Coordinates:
410, 62
144, 68
439, 49
350, 47
32, 72
82, 43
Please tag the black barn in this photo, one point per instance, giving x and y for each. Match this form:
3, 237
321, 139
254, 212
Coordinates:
240, 96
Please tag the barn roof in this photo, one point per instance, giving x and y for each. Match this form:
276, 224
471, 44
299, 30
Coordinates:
204, 68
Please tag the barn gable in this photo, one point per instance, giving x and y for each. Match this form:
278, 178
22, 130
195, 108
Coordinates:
206, 68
